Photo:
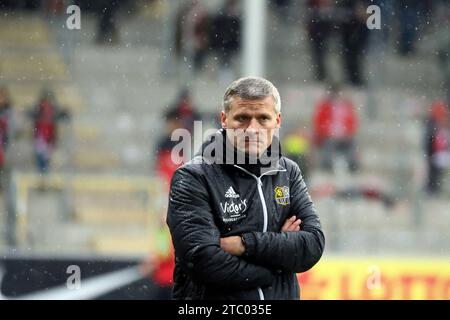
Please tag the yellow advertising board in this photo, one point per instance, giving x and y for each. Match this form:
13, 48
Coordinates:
344, 278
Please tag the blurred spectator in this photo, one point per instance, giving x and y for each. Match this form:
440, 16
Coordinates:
46, 115
283, 8
354, 33
164, 261
186, 110
160, 264
335, 125
55, 11
348, 17
181, 114
411, 13
107, 23
319, 25
6, 124
443, 38
192, 33
165, 166
296, 147
437, 143
387, 14
226, 36
54, 7
427, 12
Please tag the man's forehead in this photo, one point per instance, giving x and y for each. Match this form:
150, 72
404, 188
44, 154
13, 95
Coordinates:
254, 105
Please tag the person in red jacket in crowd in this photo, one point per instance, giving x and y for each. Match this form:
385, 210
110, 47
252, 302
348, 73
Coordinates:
6, 119
184, 110
165, 165
181, 115
437, 145
160, 265
45, 117
335, 125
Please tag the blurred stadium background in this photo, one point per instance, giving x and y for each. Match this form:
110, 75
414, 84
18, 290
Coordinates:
101, 203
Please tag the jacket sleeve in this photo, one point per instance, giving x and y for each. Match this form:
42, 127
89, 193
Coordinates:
295, 251
197, 239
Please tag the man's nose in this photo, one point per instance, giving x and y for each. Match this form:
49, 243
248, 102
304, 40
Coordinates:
253, 126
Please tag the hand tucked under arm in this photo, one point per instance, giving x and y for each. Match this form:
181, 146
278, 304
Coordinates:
235, 246
196, 240
290, 249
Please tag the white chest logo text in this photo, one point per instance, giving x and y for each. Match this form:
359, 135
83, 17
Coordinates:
233, 210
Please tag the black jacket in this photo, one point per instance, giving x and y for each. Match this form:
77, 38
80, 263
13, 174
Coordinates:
208, 201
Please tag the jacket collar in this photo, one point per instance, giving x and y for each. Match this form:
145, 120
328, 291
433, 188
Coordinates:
219, 150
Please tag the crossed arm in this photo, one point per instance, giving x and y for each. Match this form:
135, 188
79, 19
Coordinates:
222, 262
291, 249
196, 240
235, 244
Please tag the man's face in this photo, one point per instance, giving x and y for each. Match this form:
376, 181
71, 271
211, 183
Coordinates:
253, 123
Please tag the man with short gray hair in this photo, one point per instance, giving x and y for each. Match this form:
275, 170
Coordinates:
241, 219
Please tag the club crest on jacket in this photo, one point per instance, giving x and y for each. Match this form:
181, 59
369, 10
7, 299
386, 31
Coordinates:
282, 195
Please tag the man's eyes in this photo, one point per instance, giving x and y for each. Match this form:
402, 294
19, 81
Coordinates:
264, 119
245, 118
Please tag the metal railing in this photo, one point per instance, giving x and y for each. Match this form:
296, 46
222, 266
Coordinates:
23, 184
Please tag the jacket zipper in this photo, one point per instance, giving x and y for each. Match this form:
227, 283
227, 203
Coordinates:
264, 206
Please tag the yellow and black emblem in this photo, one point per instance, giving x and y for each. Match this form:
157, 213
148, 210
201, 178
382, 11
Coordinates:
282, 195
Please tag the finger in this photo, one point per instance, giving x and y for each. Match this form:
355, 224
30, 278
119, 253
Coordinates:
292, 227
225, 246
290, 220
287, 227
295, 226
287, 224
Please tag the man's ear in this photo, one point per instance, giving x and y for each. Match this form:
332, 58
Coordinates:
223, 119
279, 120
